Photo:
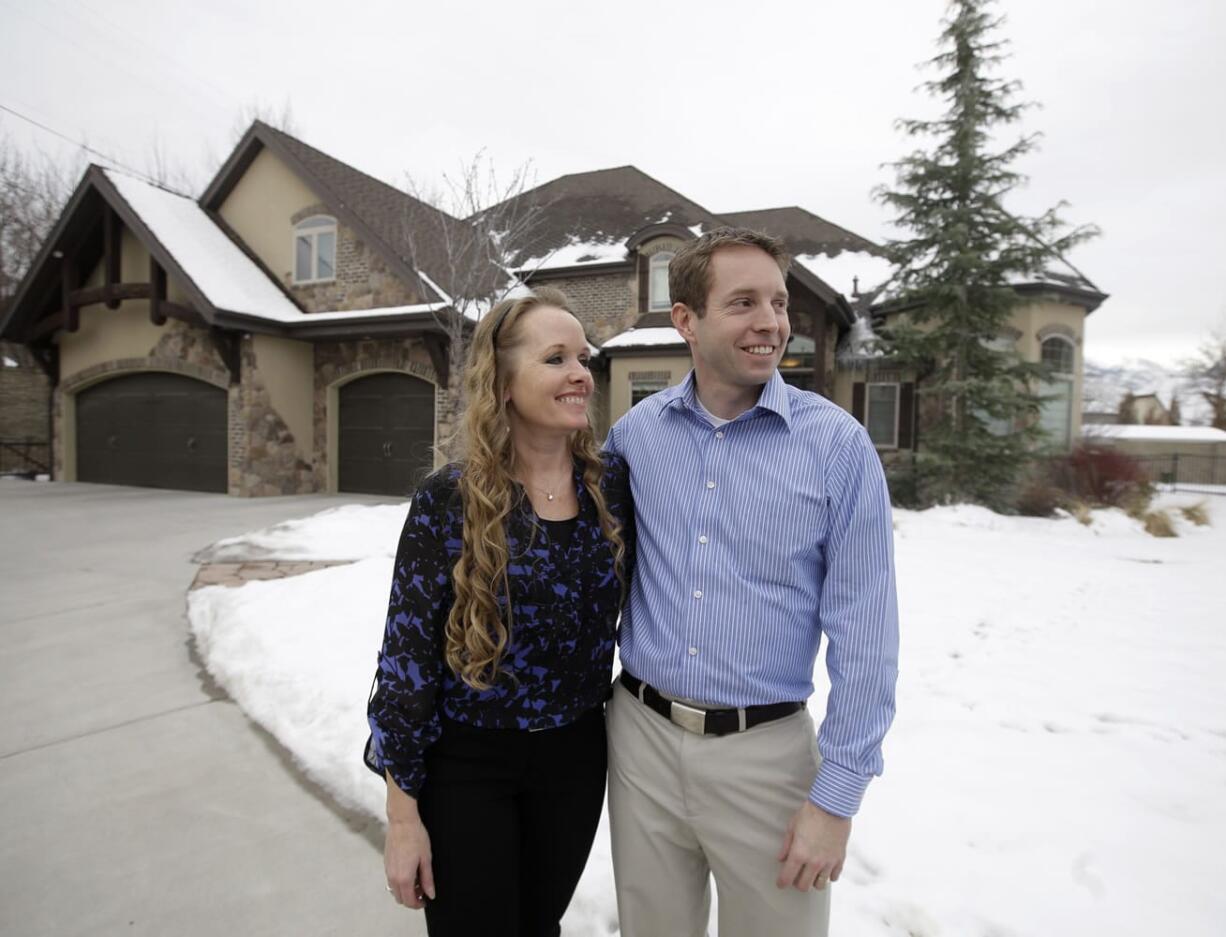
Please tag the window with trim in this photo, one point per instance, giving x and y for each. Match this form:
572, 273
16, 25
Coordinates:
657, 282
796, 366
315, 249
1056, 415
881, 414
643, 386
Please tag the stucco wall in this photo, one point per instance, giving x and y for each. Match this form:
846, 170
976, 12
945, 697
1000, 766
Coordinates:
259, 209
287, 369
621, 367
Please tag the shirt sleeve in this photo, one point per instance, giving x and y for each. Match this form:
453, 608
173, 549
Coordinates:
402, 714
859, 616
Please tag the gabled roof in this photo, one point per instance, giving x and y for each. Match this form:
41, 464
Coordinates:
802, 231
600, 210
226, 286
595, 219
410, 235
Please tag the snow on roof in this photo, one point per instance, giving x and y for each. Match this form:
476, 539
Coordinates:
843, 269
226, 276
578, 253
1110, 431
645, 338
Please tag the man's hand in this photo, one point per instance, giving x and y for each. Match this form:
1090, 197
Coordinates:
814, 848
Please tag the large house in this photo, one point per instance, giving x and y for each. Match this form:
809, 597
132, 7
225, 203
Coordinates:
291, 330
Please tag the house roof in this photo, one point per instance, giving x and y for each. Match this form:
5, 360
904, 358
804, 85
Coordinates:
594, 215
225, 285
411, 235
1105, 432
595, 220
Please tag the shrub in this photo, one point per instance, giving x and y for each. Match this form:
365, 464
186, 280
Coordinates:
1198, 514
1081, 511
1158, 524
1102, 477
1039, 500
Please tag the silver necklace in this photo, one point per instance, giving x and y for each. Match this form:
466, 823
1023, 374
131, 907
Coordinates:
548, 492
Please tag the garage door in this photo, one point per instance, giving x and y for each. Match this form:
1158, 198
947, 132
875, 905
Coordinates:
386, 434
153, 430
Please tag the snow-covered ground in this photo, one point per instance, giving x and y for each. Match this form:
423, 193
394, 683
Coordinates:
1057, 767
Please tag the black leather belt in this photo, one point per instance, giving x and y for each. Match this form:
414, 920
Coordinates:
706, 721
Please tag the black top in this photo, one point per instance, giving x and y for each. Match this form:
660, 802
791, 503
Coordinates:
559, 657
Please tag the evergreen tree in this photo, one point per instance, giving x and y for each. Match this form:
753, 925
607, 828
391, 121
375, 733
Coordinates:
1126, 413
952, 287
1176, 417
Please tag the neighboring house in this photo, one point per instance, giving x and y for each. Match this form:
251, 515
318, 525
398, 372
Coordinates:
1048, 326
289, 331
1143, 409
1184, 454
282, 334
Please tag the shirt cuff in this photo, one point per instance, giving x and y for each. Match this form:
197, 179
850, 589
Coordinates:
837, 790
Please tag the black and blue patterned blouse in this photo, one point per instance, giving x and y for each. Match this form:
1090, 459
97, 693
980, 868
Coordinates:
559, 657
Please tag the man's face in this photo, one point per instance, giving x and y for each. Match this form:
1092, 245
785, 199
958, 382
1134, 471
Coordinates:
738, 341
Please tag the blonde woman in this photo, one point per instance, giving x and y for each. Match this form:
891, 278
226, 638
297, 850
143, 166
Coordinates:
488, 719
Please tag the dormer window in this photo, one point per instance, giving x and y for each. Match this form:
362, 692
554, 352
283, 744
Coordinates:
315, 249
657, 282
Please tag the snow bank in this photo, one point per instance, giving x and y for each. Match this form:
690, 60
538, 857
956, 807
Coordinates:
1056, 766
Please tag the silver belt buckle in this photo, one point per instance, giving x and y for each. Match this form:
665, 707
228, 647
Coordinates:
689, 718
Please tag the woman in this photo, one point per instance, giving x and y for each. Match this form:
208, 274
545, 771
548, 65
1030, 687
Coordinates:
488, 720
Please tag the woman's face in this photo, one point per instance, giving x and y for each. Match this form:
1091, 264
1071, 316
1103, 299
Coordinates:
550, 378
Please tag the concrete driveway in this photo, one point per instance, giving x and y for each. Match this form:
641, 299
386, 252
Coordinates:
136, 798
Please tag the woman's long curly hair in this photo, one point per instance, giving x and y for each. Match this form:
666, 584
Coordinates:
477, 632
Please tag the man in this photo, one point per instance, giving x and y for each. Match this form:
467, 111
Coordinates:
763, 522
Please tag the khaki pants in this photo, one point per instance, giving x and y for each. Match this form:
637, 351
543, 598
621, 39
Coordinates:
685, 806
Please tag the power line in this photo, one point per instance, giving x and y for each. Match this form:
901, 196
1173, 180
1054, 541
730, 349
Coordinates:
84, 146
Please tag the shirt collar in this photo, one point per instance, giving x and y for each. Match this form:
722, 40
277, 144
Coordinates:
773, 399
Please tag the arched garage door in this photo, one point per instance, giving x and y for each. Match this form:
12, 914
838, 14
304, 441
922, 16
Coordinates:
154, 430
386, 426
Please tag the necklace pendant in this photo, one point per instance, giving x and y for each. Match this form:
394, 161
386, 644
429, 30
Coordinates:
549, 495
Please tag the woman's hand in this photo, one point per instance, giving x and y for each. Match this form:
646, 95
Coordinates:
406, 852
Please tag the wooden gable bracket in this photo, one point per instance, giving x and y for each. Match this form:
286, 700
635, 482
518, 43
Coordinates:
112, 242
228, 345
48, 357
68, 287
157, 292
436, 348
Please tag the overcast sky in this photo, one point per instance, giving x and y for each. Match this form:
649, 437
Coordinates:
738, 105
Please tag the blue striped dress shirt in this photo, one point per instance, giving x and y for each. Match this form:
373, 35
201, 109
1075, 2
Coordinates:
755, 538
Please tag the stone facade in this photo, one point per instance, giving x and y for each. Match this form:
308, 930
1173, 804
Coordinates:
363, 279
25, 406
263, 458
336, 361
605, 303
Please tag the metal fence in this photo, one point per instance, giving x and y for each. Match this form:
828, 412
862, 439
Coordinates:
25, 457
1183, 471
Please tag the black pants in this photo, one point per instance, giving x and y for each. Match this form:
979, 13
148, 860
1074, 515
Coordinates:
511, 817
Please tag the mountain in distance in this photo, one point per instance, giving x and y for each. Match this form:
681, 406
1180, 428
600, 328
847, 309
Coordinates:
1106, 385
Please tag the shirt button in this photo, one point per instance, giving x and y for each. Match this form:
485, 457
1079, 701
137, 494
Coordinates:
710, 484
698, 593
702, 539
693, 651
719, 434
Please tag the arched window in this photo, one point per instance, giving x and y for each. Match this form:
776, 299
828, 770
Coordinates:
657, 282
315, 249
1056, 417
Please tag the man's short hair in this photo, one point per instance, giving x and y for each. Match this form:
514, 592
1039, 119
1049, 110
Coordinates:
689, 273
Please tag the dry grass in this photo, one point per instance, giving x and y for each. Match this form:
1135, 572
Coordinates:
1198, 513
1081, 511
1159, 524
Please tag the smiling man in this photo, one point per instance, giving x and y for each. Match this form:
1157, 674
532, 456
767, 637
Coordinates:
763, 524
